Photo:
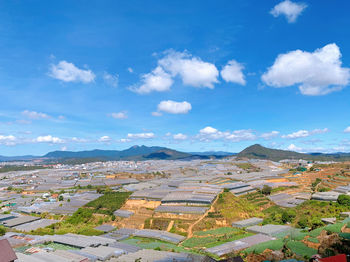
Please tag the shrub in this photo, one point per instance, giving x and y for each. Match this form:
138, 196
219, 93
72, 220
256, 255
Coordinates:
266, 190
344, 200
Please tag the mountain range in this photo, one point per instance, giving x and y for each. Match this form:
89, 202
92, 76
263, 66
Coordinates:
132, 153
155, 152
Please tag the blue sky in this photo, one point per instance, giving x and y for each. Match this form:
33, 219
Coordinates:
190, 75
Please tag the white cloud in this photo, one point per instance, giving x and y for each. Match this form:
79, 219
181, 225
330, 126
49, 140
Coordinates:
141, 135
34, 115
104, 139
79, 140
316, 73
68, 72
120, 115
64, 148
173, 107
111, 80
293, 147
180, 136
269, 135
157, 113
208, 130
305, 133
192, 71
347, 130
157, 80
209, 133
124, 140
9, 140
49, 139
232, 72
130, 70
289, 9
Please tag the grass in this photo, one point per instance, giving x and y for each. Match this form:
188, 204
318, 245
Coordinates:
109, 202
301, 249
218, 231
233, 208
259, 248
147, 243
214, 237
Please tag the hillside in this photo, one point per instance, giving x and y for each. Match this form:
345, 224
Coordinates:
259, 152
132, 153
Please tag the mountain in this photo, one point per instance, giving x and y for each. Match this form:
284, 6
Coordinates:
260, 152
132, 153
16, 158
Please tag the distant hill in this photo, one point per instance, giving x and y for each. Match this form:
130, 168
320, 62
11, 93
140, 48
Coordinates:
16, 158
259, 152
132, 153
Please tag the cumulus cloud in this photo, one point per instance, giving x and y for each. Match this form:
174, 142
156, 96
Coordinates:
104, 139
192, 71
173, 107
34, 115
305, 133
79, 140
141, 135
68, 72
209, 133
158, 80
180, 136
110, 79
130, 70
289, 9
347, 130
232, 72
9, 140
49, 139
269, 135
120, 115
293, 147
124, 140
316, 73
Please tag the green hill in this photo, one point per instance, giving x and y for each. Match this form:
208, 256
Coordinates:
259, 152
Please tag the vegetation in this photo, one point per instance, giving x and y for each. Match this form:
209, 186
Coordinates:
343, 200
266, 190
308, 214
2, 230
10, 168
214, 237
108, 203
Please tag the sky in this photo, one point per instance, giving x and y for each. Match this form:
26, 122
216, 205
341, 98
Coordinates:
188, 75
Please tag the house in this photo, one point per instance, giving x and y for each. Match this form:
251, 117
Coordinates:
6, 252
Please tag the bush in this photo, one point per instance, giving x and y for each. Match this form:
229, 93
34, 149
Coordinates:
2, 230
266, 190
344, 200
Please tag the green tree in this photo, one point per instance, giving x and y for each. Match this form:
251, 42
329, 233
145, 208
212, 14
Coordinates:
2, 230
344, 200
266, 190
60, 198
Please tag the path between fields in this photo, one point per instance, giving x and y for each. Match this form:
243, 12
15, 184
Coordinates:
211, 209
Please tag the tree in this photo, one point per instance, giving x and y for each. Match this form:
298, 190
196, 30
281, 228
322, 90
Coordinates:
266, 190
60, 198
288, 216
2, 230
344, 200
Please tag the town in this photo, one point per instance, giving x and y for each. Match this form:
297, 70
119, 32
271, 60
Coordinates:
176, 210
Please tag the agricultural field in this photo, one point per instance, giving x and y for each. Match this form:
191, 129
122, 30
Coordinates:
109, 202
211, 238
